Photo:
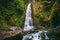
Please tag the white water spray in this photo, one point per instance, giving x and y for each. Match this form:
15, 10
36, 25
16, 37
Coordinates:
28, 25
35, 36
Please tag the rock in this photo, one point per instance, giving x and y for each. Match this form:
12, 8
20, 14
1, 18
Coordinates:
7, 34
16, 37
54, 32
15, 28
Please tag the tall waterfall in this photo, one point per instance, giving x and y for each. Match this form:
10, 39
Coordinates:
40, 35
28, 20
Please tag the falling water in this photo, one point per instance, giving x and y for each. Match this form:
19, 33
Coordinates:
28, 25
36, 36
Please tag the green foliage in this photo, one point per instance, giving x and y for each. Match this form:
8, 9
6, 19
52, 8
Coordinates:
11, 12
44, 11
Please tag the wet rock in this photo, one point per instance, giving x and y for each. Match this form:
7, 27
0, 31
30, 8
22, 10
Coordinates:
54, 32
43, 35
15, 28
16, 37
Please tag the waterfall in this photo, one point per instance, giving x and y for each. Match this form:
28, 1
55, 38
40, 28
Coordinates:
36, 36
28, 25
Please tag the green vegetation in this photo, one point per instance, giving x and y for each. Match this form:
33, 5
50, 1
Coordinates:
12, 13
46, 13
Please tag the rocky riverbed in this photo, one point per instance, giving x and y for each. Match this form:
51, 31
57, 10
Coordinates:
18, 34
